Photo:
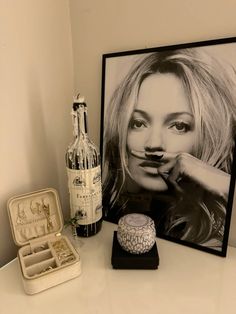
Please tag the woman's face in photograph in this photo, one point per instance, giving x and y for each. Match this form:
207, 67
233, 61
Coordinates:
161, 122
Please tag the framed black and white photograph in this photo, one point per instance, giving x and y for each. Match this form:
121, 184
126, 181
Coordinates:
168, 127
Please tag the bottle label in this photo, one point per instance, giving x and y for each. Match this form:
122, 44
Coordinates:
85, 195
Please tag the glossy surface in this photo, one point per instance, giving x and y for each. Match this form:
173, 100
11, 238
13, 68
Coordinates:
187, 281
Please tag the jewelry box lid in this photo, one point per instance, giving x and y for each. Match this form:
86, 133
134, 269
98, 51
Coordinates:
35, 215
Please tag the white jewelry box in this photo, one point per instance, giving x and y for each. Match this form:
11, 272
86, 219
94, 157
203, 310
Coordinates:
46, 257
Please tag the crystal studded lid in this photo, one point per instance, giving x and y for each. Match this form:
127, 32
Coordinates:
136, 223
136, 233
136, 220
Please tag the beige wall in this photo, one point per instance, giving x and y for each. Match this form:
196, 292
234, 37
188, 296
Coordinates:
36, 89
115, 25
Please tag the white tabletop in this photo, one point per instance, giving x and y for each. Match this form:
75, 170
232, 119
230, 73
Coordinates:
187, 281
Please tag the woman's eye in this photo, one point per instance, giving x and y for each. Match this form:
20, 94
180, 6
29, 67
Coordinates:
180, 127
137, 124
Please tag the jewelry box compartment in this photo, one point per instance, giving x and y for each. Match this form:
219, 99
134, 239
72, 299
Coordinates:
46, 257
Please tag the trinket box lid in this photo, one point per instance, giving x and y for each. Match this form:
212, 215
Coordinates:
136, 233
35, 215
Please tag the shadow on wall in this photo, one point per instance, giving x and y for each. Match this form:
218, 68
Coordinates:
47, 141
37, 159
41, 157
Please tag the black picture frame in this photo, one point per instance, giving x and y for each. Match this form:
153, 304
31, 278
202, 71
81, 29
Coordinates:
209, 228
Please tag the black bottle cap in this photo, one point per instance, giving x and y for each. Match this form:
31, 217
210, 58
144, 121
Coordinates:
78, 100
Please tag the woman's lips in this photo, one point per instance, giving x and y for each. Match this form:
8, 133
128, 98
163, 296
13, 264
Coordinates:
150, 167
150, 161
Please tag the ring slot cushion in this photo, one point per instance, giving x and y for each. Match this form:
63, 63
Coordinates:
46, 257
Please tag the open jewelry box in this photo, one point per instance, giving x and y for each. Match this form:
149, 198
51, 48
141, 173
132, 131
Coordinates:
46, 257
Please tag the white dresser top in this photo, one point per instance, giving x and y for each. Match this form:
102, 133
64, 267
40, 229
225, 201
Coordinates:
188, 281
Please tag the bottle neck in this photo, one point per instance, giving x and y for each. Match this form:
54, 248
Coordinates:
80, 119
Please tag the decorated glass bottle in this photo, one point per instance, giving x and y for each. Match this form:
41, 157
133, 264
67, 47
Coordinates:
84, 176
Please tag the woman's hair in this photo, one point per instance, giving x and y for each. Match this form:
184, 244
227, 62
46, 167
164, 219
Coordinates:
210, 87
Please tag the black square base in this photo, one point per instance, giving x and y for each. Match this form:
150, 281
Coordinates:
121, 259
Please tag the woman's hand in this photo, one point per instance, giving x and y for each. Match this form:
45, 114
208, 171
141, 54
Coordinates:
183, 165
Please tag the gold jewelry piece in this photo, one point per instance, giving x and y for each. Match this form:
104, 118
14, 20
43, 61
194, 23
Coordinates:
21, 216
68, 260
46, 209
36, 210
39, 248
47, 269
64, 255
60, 245
44, 270
63, 252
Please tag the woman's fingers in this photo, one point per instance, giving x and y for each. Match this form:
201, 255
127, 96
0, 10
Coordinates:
189, 167
172, 184
170, 174
167, 166
175, 168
